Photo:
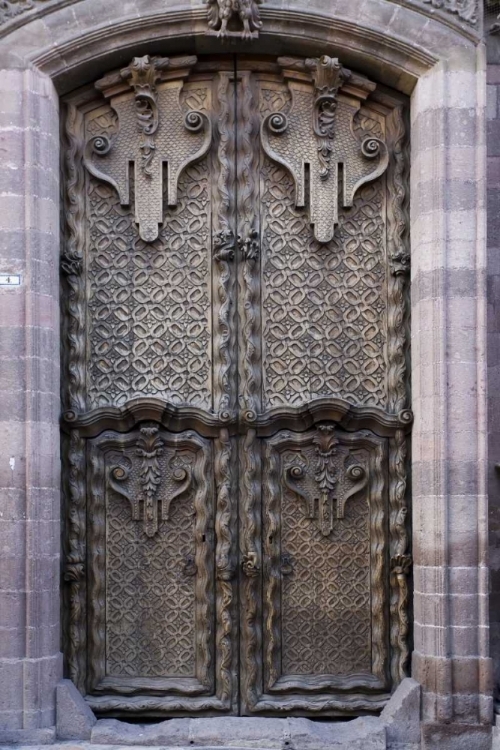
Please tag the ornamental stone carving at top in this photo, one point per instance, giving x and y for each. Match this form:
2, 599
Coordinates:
466, 10
317, 135
224, 14
148, 139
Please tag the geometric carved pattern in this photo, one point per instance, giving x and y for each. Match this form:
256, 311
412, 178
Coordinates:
147, 633
326, 597
148, 304
323, 305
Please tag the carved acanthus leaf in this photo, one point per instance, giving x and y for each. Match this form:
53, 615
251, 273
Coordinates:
149, 449
142, 75
328, 76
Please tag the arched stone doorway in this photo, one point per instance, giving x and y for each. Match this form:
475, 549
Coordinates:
432, 54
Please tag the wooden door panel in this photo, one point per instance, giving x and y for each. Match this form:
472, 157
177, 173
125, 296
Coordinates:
150, 393
325, 579
324, 595
151, 550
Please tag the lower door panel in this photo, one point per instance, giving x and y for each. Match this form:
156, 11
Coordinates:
319, 638
152, 587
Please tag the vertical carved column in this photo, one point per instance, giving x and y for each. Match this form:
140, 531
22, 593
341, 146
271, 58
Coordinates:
30, 662
449, 438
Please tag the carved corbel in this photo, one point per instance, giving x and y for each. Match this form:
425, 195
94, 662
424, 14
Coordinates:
318, 133
152, 131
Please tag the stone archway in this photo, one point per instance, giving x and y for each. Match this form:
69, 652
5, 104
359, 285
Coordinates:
436, 59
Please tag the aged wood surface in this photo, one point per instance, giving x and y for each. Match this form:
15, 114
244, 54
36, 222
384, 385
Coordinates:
236, 388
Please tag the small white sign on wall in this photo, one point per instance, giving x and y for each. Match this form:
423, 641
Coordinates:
10, 279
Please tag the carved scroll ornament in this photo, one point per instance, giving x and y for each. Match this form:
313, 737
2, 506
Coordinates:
152, 131
335, 481
149, 449
318, 132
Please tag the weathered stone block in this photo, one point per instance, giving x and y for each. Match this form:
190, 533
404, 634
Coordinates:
456, 737
365, 733
173, 733
74, 719
401, 716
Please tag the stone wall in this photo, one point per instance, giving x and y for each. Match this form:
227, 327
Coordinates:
30, 662
493, 235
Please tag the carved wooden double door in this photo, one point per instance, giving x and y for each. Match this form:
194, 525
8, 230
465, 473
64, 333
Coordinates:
235, 390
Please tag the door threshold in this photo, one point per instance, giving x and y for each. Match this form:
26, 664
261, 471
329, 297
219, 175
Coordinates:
244, 733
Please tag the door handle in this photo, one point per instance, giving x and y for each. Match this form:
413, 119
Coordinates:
223, 245
286, 564
249, 247
250, 565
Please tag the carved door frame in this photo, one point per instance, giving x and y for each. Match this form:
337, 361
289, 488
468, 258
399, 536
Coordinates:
240, 437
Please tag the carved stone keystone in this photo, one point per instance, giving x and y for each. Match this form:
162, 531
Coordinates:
220, 13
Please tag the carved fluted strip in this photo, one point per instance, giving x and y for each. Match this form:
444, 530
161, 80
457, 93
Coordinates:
251, 578
96, 572
272, 600
224, 565
224, 231
378, 565
74, 571
400, 558
399, 263
204, 585
72, 264
248, 189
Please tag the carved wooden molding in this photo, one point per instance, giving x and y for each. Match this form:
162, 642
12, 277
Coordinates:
349, 416
149, 139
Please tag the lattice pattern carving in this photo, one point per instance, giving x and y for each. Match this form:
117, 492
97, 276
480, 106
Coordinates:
323, 306
326, 592
150, 622
149, 305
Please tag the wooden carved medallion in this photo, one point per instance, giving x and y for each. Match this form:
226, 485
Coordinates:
236, 399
